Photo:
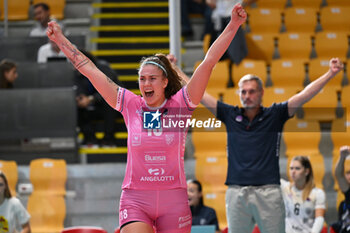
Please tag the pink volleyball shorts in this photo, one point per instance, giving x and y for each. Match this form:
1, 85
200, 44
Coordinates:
167, 211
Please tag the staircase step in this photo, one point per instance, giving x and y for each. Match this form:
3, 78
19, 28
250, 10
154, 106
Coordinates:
132, 10
115, 150
133, 33
118, 135
129, 52
133, 86
130, 40
152, 4
119, 66
128, 28
129, 1
138, 15
128, 31
117, 46
128, 78
133, 21
128, 72
136, 91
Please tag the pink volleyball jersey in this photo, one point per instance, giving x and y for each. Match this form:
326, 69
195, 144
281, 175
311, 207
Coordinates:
155, 155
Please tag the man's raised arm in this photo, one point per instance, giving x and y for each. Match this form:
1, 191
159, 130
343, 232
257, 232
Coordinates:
296, 101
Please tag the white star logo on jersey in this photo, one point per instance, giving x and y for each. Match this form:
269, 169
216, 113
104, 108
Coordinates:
151, 120
155, 115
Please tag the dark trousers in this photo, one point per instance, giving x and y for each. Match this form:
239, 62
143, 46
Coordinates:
87, 118
238, 49
188, 7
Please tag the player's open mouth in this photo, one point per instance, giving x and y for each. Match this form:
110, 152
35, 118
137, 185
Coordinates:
149, 93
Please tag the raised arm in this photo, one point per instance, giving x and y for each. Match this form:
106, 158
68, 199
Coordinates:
296, 101
197, 84
339, 169
208, 101
104, 85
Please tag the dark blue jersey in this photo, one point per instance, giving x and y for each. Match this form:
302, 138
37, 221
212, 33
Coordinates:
253, 147
204, 215
343, 223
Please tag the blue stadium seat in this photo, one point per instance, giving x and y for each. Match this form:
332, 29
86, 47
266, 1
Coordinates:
203, 229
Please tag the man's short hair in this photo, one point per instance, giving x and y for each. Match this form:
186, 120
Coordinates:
251, 77
43, 5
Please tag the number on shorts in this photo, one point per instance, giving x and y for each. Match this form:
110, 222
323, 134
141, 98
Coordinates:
123, 214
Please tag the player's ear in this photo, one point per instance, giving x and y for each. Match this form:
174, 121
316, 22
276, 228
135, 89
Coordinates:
165, 82
307, 171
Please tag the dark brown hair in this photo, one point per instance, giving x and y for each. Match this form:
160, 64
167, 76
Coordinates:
199, 188
174, 80
43, 5
5, 66
7, 192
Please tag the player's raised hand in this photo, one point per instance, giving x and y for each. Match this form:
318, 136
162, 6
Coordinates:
54, 31
344, 151
335, 66
238, 14
171, 58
